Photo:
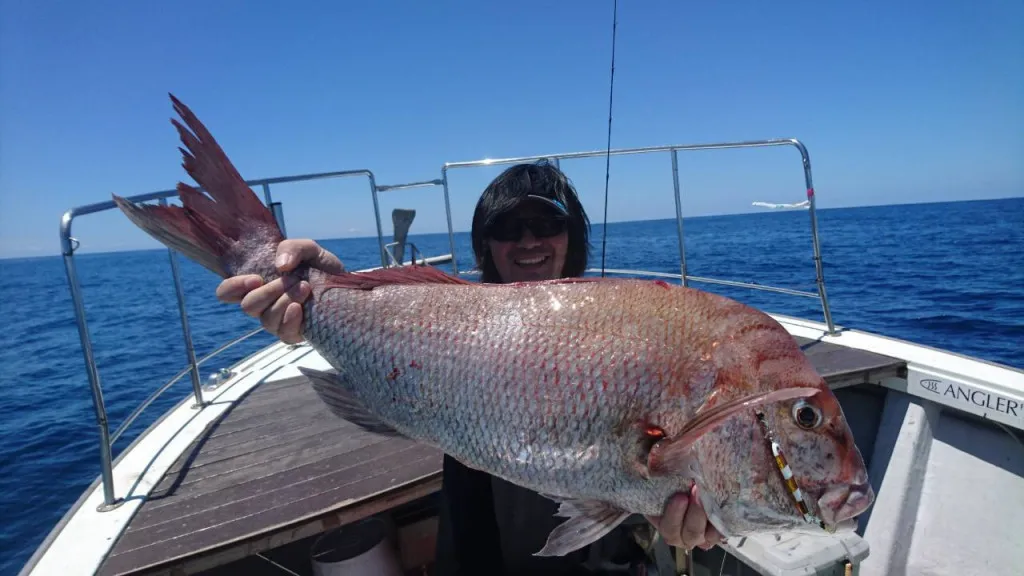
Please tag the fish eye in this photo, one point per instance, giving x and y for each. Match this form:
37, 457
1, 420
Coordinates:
806, 416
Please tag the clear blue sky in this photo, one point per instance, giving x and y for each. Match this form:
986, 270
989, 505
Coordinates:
897, 101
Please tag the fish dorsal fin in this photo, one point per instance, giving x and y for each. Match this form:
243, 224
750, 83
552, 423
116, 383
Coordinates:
669, 456
424, 274
416, 274
334, 392
584, 280
573, 280
588, 521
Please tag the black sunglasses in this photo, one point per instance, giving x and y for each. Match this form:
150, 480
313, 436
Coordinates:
511, 229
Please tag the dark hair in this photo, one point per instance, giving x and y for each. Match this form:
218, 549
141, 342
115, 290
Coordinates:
509, 189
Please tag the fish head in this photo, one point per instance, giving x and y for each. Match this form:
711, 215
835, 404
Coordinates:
813, 440
788, 463
788, 466
806, 440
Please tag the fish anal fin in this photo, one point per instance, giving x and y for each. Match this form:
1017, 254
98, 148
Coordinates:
671, 456
334, 392
588, 521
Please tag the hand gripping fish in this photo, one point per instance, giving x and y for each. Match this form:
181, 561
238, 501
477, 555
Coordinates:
606, 395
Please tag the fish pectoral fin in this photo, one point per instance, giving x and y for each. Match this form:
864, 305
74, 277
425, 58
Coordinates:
334, 392
670, 456
588, 521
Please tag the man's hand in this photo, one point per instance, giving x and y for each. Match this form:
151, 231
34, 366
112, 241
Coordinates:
684, 524
278, 304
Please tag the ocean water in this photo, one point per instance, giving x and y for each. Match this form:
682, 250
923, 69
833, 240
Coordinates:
949, 275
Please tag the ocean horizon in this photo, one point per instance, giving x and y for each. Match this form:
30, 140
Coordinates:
596, 225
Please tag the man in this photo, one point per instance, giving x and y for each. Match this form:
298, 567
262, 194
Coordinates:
528, 225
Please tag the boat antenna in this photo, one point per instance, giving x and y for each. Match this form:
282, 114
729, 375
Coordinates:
608, 152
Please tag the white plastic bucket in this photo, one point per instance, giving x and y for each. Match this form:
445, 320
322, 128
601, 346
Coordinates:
358, 549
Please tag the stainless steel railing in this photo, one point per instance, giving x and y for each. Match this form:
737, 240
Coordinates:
673, 150
68, 246
387, 259
187, 370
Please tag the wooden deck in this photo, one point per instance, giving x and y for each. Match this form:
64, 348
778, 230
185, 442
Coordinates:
276, 468
842, 367
279, 467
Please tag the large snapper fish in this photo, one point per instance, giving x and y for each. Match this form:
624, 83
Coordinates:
605, 395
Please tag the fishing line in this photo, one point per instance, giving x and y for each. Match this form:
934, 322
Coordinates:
608, 152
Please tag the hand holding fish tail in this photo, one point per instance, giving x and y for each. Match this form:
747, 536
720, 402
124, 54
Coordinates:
278, 303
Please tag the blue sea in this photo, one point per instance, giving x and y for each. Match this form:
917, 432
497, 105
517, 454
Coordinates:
949, 275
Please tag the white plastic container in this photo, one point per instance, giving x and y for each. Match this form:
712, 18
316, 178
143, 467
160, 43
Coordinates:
800, 554
362, 548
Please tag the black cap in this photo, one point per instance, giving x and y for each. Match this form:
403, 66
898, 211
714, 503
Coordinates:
554, 203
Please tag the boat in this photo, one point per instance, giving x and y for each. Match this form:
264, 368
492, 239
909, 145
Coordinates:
251, 472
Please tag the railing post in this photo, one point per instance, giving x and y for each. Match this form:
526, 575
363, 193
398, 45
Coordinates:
186, 332
679, 216
106, 460
376, 215
818, 265
448, 214
275, 208
278, 211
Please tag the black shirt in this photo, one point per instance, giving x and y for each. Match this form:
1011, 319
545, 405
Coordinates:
489, 526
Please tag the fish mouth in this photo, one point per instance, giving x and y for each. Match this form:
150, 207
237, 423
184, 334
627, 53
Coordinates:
841, 504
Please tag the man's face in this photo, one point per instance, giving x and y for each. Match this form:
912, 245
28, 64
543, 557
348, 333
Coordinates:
529, 243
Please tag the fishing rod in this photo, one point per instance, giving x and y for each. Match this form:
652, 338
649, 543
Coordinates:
608, 152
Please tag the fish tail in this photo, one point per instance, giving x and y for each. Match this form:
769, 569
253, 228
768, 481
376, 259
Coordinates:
227, 230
